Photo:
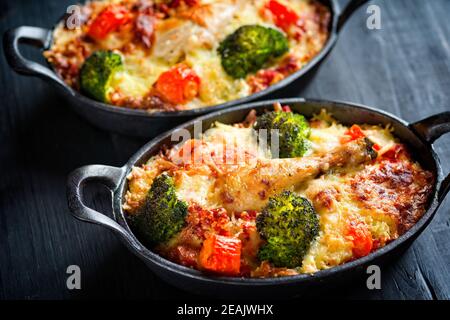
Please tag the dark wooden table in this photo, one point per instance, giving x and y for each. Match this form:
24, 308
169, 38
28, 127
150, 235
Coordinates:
403, 68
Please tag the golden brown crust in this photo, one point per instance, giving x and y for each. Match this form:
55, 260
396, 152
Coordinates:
398, 188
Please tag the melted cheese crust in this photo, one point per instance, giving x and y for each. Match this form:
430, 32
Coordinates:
189, 35
388, 194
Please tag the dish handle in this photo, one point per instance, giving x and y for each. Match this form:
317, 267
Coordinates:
110, 177
37, 37
431, 129
349, 9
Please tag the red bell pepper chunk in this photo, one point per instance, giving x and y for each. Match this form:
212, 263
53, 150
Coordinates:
354, 133
178, 85
109, 20
283, 16
361, 238
221, 254
394, 152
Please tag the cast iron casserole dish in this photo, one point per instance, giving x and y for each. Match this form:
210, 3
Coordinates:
140, 122
419, 136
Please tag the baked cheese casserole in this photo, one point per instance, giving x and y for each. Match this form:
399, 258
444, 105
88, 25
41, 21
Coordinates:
277, 195
171, 55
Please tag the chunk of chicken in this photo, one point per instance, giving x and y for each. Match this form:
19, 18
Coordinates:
249, 187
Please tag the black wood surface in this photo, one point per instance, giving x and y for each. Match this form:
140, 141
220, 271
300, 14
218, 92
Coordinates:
403, 68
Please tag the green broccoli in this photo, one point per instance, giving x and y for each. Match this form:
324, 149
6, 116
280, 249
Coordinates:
289, 224
97, 72
249, 48
163, 214
292, 131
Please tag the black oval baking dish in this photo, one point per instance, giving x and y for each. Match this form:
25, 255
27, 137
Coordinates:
140, 122
419, 136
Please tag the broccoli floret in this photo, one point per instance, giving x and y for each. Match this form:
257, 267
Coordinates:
97, 72
249, 48
289, 224
292, 132
163, 214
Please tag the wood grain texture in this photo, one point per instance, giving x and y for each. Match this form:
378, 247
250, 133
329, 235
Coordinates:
403, 68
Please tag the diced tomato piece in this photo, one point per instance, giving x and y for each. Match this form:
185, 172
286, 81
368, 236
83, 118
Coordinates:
283, 16
354, 133
361, 238
110, 19
221, 254
286, 109
394, 152
178, 85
